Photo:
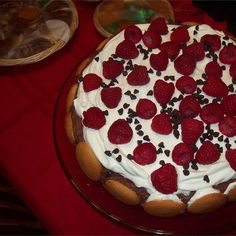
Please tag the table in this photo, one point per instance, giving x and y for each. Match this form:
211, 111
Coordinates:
27, 154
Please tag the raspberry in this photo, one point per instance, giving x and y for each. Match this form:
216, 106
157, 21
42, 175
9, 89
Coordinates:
146, 109
195, 50
215, 87
211, 113
232, 70
172, 49
213, 69
164, 179
228, 105
207, 153
144, 154
112, 69
159, 61
189, 107
161, 124
227, 126
230, 155
139, 76
163, 91
186, 84
182, 154
228, 54
111, 96
91, 82
180, 35
133, 33
184, 64
211, 42
120, 132
127, 50
191, 129
94, 118
151, 40
159, 26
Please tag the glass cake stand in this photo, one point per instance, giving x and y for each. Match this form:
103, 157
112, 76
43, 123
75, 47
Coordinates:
221, 221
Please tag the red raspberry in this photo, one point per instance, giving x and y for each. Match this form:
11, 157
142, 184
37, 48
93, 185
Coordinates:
213, 69
195, 50
186, 84
139, 76
227, 126
231, 158
184, 64
146, 109
207, 153
164, 179
232, 70
189, 107
145, 154
112, 69
151, 40
211, 113
159, 61
133, 33
215, 87
180, 35
94, 118
172, 49
228, 105
228, 54
120, 132
161, 124
127, 50
191, 129
163, 91
159, 26
182, 154
91, 82
111, 96
211, 42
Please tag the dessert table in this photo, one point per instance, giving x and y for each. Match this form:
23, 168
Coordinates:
28, 158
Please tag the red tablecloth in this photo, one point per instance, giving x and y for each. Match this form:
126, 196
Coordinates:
27, 153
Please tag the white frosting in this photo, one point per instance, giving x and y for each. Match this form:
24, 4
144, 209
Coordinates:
217, 172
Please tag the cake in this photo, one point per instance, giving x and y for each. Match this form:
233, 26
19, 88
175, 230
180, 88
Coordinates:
152, 116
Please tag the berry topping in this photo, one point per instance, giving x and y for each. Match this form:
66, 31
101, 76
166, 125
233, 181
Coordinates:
232, 70
228, 105
133, 33
182, 154
172, 49
207, 153
195, 50
151, 40
112, 69
227, 126
159, 61
94, 118
231, 158
163, 91
186, 84
139, 76
161, 124
164, 179
189, 107
185, 64
213, 69
146, 109
191, 129
127, 50
228, 54
91, 82
211, 113
144, 154
180, 35
211, 42
111, 96
159, 26
120, 132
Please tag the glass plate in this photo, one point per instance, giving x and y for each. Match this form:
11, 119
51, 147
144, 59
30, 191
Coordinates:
221, 221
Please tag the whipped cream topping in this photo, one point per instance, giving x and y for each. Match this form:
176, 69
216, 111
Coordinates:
200, 178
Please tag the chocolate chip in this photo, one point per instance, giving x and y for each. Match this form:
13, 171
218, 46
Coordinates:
197, 27
195, 32
216, 134
186, 172
140, 133
199, 82
226, 37
129, 120
103, 85
128, 92
224, 43
167, 152
161, 162
161, 144
223, 67
120, 111
176, 133
159, 151
139, 142
206, 178
129, 156
80, 78
108, 153
106, 113
133, 97
158, 73
115, 151
138, 127
204, 76
119, 158
186, 166
150, 93
125, 73
96, 59
146, 138
228, 145
136, 91
231, 88
226, 140
194, 167
126, 105
150, 71
136, 121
